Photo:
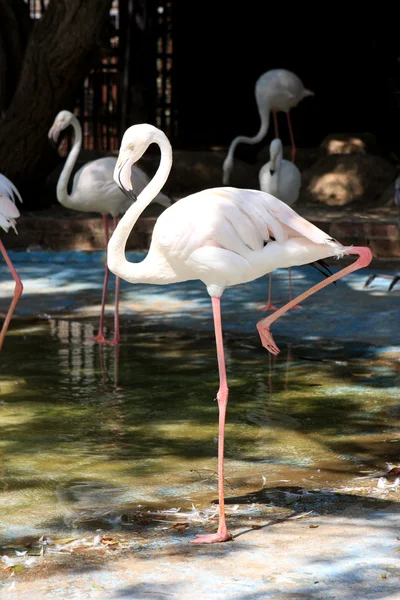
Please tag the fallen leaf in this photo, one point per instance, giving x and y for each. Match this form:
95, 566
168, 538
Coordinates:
15, 568
63, 541
383, 575
362, 374
313, 526
256, 526
180, 526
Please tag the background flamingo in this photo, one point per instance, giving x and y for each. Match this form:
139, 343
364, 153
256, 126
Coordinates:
94, 190
8, 213
282, 179
275, 90
223, 237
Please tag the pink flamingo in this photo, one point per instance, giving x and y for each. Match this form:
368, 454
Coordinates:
223, 237
8, 213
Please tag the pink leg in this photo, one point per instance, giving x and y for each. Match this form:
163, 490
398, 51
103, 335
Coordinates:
263, 327
100, 336
290, 290
116, 339
222, 534
276, 124
269, 305
17, 294
291, 136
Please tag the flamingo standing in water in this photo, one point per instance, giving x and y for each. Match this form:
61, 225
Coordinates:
223, 237
8, 213
275, 90
94, 190
282, 179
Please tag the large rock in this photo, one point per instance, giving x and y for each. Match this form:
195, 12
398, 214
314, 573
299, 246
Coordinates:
349, 143
341, 179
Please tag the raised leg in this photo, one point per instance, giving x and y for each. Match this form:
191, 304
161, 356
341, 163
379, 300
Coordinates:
276, 124
222, 534
100, 335
17, 294
263, 327
269, 305
116, 338
291, 136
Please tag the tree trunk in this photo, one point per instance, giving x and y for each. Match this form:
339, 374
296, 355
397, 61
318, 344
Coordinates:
59, 54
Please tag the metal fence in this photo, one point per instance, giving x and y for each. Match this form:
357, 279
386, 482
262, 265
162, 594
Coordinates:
106, 101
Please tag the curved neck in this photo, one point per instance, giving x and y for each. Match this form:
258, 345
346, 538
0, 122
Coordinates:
116, 258
241, 139
62, 185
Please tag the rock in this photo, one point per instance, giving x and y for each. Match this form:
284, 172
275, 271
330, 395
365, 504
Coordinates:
349, 143
341, 179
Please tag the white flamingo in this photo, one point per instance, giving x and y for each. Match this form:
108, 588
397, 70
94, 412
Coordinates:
8, 213
282, 179
94, 190
276, 90
223, 237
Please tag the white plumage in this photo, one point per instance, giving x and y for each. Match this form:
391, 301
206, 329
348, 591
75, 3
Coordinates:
8, 210
93, 188
8, 213
280, 177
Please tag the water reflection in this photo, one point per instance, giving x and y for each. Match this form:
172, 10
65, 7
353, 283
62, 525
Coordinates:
79, 356
90, 432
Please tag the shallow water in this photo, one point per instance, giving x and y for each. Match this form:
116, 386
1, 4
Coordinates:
90, 433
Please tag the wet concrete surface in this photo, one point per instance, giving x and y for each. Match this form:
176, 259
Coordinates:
312, 511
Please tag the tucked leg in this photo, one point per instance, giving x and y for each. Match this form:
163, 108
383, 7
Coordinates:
17, 293
222, 534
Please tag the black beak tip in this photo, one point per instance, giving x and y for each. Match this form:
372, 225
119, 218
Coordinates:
272, 171
52, 142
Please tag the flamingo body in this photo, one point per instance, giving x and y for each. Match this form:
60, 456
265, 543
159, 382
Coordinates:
94, 189
222, 236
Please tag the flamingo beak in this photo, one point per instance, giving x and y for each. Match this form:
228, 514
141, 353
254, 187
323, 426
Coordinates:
54, 134
272, 171
123, 180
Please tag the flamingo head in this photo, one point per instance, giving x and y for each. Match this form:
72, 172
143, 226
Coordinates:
63, 120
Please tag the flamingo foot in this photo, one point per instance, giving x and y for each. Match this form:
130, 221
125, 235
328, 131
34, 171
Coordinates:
297, 306
266, 338
113, 342
213, 538
99, 338
268, 306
